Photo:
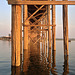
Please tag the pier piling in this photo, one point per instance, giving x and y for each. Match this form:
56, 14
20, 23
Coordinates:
36, 19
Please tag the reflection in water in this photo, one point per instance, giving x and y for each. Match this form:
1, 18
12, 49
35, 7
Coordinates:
53, 69
49, 59
26, 60
15, 71
66, 66
39, 61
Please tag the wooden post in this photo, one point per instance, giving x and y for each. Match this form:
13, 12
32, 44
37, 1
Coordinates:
53, 28
13, 62
65, 29
42, 38
21, 35
38, 39
25, 40
21, 49
49, 28
44, 35
25, 34
49, 38
16, 23
42, 43
46, 43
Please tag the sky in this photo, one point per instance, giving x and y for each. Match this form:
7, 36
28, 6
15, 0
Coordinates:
5, 20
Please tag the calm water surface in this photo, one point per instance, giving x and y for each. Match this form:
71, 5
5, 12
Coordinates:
37, 63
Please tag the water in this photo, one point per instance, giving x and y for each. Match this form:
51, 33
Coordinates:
36, 63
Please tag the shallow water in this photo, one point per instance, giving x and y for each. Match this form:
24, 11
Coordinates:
38, 63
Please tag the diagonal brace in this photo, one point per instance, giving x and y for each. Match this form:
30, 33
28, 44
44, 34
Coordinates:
35, 12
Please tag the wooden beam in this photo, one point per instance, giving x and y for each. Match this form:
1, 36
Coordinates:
38, 30
31, 38
35, 9
38, 14
36, 6
39, 25
32, 17
40, 18
37, 41
42, 2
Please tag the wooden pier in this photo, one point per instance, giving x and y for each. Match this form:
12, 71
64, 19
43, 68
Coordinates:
35, 18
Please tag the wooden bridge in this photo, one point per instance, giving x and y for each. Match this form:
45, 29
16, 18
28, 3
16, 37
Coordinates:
38, 24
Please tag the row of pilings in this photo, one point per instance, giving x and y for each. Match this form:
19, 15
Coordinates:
42, 23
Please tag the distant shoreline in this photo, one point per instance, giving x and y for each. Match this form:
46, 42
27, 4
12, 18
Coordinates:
9, 38
5, 38
69, 39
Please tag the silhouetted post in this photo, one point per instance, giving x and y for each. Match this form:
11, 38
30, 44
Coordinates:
53, 28
65, 29
16, 23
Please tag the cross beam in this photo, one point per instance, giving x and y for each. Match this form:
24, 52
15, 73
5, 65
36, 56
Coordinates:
42, 2
39, 25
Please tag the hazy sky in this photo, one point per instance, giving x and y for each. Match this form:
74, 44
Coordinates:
5, 20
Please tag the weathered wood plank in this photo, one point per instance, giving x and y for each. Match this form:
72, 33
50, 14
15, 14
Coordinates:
42, 2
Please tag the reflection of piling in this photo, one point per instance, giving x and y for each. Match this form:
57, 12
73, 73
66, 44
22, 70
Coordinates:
15, 71
49, 59
53, 63
25, 60
66, 65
